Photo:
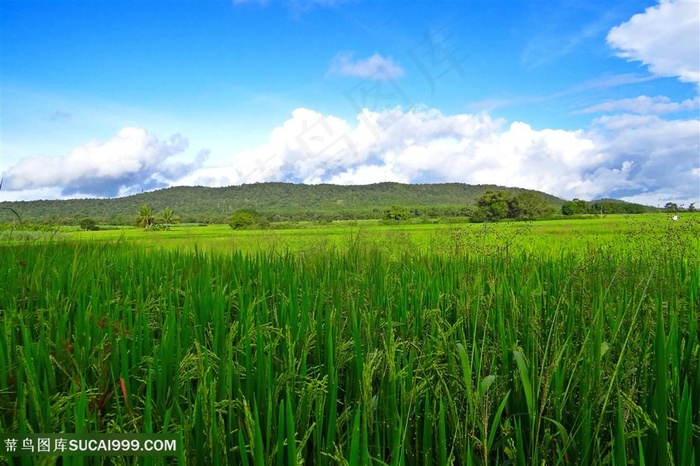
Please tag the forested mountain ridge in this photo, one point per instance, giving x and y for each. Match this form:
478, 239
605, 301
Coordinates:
276, 201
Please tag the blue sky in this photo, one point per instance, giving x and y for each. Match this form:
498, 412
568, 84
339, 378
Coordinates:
579, 99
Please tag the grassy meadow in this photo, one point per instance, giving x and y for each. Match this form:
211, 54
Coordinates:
541, 343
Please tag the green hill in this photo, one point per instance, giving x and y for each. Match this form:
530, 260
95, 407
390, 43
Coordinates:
276, 201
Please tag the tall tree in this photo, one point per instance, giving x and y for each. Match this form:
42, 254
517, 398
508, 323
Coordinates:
169, 217
529, 205
492, 206
575, 207
671, 207
146, 216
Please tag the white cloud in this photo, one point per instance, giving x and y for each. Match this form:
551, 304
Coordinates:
625, 156
375, 67
663, 154
131, 161
645, 105
666, 38
620, 156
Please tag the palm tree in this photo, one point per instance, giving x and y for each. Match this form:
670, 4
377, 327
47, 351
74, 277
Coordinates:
146, 216
169, 217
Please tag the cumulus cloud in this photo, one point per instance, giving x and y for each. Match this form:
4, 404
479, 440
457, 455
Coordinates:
375, 67
629, 156
662, 156
620, 155
666, 38
132, 161
644, 105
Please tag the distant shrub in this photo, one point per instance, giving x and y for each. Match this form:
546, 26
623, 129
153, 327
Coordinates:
88, 224
478, 216
158, 227
241, 220
248, 219
397, 213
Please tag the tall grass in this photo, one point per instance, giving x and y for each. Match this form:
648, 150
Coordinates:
485, 355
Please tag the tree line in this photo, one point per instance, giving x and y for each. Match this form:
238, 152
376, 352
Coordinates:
607, 206
276, 201
491, 206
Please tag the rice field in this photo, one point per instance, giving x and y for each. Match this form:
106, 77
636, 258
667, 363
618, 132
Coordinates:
518, 344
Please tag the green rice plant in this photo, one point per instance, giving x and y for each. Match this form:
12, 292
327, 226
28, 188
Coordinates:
496, 349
